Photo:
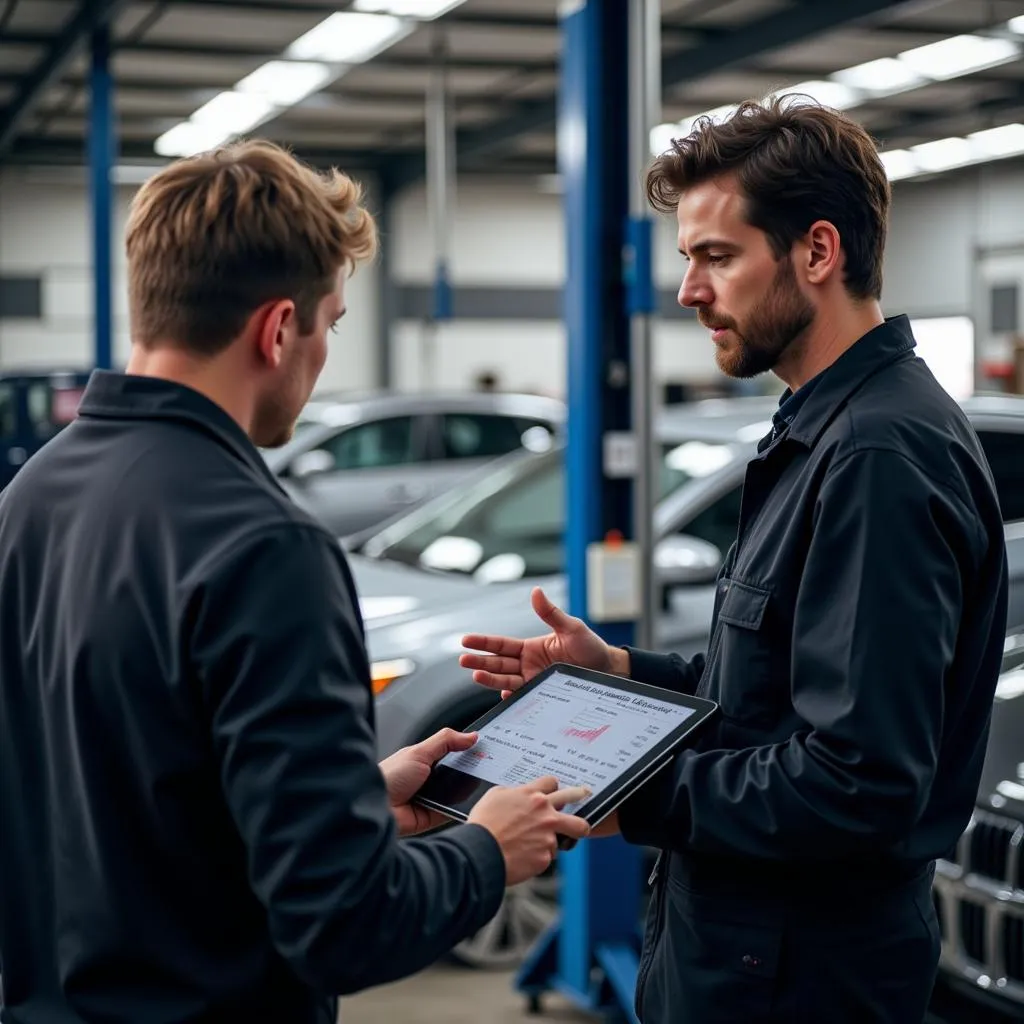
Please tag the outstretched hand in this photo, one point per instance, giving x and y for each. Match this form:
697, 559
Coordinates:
508, 662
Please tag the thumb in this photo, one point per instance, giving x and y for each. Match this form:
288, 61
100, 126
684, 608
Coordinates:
557, 619
446, 741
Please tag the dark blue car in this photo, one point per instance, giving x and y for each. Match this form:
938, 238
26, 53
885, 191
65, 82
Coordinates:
35, 405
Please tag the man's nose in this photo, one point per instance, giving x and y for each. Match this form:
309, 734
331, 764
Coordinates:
694, 291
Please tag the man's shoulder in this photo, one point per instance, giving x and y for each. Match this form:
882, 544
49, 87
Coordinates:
907, 411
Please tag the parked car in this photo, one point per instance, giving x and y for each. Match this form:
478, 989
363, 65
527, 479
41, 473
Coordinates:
357, 460
979, 890
467, 561
35, 405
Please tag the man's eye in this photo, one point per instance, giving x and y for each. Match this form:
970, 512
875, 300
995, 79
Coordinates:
718, 259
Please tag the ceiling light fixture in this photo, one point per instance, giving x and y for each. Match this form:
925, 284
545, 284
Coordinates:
959, 55
349, 37
421, 10
285, 82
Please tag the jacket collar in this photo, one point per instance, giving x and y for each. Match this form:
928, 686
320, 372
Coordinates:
878, 348
113, 395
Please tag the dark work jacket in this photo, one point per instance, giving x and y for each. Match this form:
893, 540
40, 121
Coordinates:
856, 642
194, 826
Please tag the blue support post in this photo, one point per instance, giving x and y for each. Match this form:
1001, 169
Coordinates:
590, 953
102, 151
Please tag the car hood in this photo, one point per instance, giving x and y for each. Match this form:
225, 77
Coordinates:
1002, 781
424, 615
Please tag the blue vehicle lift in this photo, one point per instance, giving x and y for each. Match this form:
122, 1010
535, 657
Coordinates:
607, 95
102, 155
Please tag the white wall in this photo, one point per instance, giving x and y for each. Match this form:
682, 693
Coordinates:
504, 234
510, 234
45, 229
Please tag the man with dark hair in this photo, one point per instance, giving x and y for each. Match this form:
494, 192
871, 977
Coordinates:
858, 621
193, 824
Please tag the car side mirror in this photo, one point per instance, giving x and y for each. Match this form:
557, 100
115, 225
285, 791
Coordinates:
310, 464
684, 561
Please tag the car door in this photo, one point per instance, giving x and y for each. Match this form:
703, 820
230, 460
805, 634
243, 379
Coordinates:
1004, 449
374, 471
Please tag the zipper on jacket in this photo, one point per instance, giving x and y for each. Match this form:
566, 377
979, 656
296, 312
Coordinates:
657, 879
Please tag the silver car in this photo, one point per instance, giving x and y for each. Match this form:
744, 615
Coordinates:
467, 562
356, 461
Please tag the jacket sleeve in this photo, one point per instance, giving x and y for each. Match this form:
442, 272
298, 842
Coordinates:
278, 649
666, 670
877, 619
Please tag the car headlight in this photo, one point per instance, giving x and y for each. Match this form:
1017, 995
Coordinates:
384, 673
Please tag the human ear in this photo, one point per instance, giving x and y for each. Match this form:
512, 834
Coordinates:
275, 327
823, 252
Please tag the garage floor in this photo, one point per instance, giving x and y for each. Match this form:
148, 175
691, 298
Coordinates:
455, 996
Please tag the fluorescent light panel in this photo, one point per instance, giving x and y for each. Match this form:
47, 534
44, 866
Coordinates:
884, 77
349, 37
285, 82
959, 55
421, 10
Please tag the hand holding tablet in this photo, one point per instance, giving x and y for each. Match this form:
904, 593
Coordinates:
584, 728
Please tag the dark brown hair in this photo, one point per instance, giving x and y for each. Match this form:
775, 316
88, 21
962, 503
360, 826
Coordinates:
796, 162
213, 237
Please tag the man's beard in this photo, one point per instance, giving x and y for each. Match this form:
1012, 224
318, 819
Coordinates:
779, 318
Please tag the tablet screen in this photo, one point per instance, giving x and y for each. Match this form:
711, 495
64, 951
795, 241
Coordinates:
583, 732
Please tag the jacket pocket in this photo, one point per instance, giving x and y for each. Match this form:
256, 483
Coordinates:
717, 960
747, 684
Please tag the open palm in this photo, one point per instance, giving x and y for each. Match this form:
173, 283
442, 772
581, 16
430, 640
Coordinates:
507, 662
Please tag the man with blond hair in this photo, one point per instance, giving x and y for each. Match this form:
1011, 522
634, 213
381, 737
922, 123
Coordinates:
194, 825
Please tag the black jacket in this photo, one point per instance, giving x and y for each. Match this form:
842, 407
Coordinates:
856, 641
194, 827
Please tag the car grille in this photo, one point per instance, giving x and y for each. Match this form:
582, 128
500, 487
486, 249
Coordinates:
979, 900
972, 930
1013, 947
991, 841
991, 847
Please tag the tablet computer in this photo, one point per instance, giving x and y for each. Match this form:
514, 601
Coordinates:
586, 728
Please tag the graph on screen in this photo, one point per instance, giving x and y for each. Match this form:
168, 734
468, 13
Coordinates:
583, 735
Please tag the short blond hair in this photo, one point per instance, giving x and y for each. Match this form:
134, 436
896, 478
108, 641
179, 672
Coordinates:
213, 237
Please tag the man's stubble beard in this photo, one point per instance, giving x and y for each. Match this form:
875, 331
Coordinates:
780, 318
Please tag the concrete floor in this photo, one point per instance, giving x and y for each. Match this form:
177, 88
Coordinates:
454, 995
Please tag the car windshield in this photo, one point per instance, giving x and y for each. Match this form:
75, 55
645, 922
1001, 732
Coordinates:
510, 523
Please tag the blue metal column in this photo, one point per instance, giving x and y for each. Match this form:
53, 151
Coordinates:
102, 155
590, 953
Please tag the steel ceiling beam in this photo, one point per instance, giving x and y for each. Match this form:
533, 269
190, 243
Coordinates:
90, 15
201, 91
251, 51
927, 126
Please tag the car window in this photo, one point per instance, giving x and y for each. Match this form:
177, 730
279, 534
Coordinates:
8, 412
51, 407
481, 435
717, 524
1005, 453
373, 445
508, 524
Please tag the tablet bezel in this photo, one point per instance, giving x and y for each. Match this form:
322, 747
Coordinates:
596, 808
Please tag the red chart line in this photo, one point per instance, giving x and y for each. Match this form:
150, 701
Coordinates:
589, 735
